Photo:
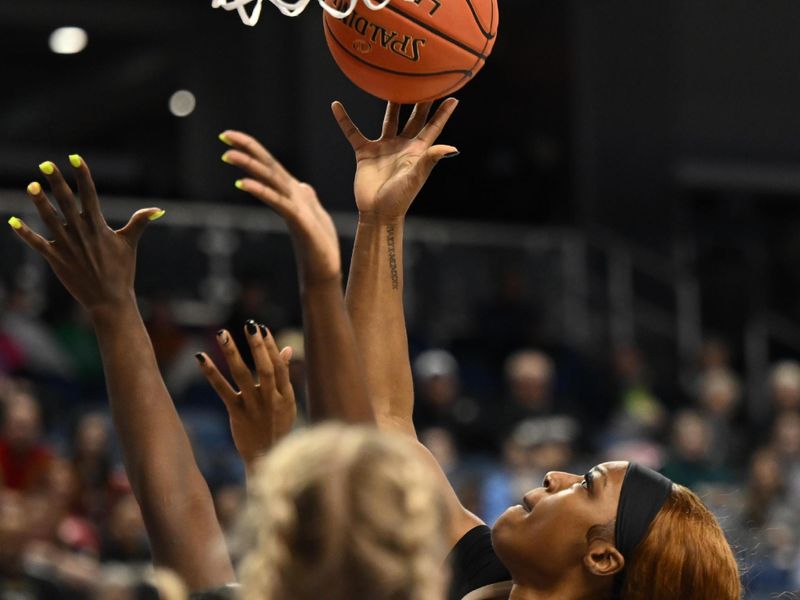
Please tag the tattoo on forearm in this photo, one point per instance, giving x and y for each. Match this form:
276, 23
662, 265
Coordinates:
392, 257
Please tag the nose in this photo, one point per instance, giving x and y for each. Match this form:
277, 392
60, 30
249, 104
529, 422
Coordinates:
555, 481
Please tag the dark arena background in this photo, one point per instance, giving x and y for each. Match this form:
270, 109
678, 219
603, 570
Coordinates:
610, 268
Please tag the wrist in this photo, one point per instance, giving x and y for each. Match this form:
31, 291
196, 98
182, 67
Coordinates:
113, 310
377, 219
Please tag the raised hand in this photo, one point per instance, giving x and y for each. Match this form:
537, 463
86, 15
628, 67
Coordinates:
263, 410
391, 170
94, 262
313, 232
97, 265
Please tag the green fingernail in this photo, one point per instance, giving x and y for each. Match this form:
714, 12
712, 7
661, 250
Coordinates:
75, 160
239, 184
47, 167
15, 223
225, 158
156, 215
225, 139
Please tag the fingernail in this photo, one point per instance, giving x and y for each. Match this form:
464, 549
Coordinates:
264, 330
156, 215
223, 338
452, 154
75, 160
15, 223
200, 358
226, 159
251, 327
239, 184
47, 167
225, 139
34, 189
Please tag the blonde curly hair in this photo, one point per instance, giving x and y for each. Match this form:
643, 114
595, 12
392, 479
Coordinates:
344, 512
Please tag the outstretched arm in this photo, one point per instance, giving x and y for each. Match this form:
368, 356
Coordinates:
336, 386
390, 173
96, 264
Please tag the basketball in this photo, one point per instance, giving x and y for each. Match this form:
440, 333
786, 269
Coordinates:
412, 50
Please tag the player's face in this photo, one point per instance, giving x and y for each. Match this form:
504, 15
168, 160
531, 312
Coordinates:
544, 538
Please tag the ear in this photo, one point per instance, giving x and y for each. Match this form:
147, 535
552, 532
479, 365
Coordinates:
603, 559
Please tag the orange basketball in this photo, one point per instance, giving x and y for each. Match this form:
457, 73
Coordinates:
412, 50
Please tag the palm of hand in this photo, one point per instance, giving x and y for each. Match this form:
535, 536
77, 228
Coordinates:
386, 182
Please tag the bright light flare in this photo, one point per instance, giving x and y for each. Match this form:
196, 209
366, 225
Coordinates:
68, 40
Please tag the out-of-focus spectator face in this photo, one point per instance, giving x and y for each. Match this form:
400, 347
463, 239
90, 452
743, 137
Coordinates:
719, 393
437, 377
125, 524
228, 501
13, 528
786, 435
62, 485
22, 427
92, 438
785, 386
529, 375
542, 444
766, 476
441, 444
690, 437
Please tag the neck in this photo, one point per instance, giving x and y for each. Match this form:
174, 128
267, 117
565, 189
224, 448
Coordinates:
565, 590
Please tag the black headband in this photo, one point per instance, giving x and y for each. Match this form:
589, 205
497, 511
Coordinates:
643, 494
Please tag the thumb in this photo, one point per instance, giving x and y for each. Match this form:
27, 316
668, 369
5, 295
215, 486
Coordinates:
431, 158
138, 223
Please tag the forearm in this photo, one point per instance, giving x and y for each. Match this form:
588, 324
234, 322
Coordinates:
175, 500
375, 304
336, 384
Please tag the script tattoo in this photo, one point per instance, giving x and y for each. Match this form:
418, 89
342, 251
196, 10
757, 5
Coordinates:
392, 256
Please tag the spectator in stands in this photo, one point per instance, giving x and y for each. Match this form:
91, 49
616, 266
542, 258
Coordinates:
718, 399
785, 442
125, 538
92, 461
41, 351
638, 413
24, 457
440, 402
690, 463
784, 383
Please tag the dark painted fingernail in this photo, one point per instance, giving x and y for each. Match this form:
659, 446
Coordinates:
452, 154
251, 327
264, 330
200, 358
221, 335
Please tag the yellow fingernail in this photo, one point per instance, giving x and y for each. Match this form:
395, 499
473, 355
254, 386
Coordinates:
225, 158
157, 215
47, 167
225, 139
34, 189
75, 160
15, 223
239, 184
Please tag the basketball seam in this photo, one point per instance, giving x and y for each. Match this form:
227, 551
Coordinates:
436, 32
487, 34
466, 73
470, 73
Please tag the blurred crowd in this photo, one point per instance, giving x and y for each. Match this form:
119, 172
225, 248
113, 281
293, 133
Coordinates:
70, 527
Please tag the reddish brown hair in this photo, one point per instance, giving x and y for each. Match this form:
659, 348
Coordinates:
684, 555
